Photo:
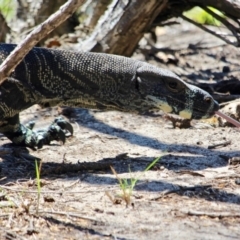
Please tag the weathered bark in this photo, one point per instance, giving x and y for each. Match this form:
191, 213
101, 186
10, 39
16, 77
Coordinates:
123, 25
4, 29
91, 12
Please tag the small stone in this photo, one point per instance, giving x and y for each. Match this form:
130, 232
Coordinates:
237, 181
226, 69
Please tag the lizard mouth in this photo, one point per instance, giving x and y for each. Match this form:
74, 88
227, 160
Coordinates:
201, 114
197, 112
194, 109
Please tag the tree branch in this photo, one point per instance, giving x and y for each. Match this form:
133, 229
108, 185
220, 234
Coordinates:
35, 36
217, 34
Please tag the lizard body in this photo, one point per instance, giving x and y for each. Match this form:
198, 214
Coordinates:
90, 80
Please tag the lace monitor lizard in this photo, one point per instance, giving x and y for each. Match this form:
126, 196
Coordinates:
90, 80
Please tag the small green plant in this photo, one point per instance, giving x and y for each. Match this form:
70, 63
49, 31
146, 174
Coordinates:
6, 200
127, 185
38, 170
199, 15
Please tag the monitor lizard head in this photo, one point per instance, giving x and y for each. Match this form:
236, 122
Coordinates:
166, 91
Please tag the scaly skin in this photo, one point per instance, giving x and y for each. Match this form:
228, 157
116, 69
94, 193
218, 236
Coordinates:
90, 80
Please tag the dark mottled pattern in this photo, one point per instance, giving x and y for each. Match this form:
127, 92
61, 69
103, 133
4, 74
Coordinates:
92, 80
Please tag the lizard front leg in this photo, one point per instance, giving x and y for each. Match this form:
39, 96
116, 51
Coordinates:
24, 135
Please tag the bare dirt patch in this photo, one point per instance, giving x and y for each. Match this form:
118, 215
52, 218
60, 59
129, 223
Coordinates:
192, 192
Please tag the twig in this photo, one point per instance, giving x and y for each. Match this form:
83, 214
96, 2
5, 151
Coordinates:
230, 26
225, 97
69, 168
190, 173
22, 190
3, 178
211, 214
234, 161
12, 235
35, 36
181, 188
6, 215
233, 101
235, 44
227, 176
71, 215
224, 144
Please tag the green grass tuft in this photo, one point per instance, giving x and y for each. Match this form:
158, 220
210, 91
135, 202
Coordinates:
38, 169
127, 185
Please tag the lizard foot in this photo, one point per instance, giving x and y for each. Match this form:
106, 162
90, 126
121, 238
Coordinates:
56, 131
24, 135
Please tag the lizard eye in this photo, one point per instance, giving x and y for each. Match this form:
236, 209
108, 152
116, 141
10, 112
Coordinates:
174, 85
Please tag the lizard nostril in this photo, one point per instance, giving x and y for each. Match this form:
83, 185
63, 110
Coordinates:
208, 100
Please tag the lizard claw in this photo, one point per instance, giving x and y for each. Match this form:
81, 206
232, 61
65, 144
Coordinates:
55, 132
30, 125
63, 124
